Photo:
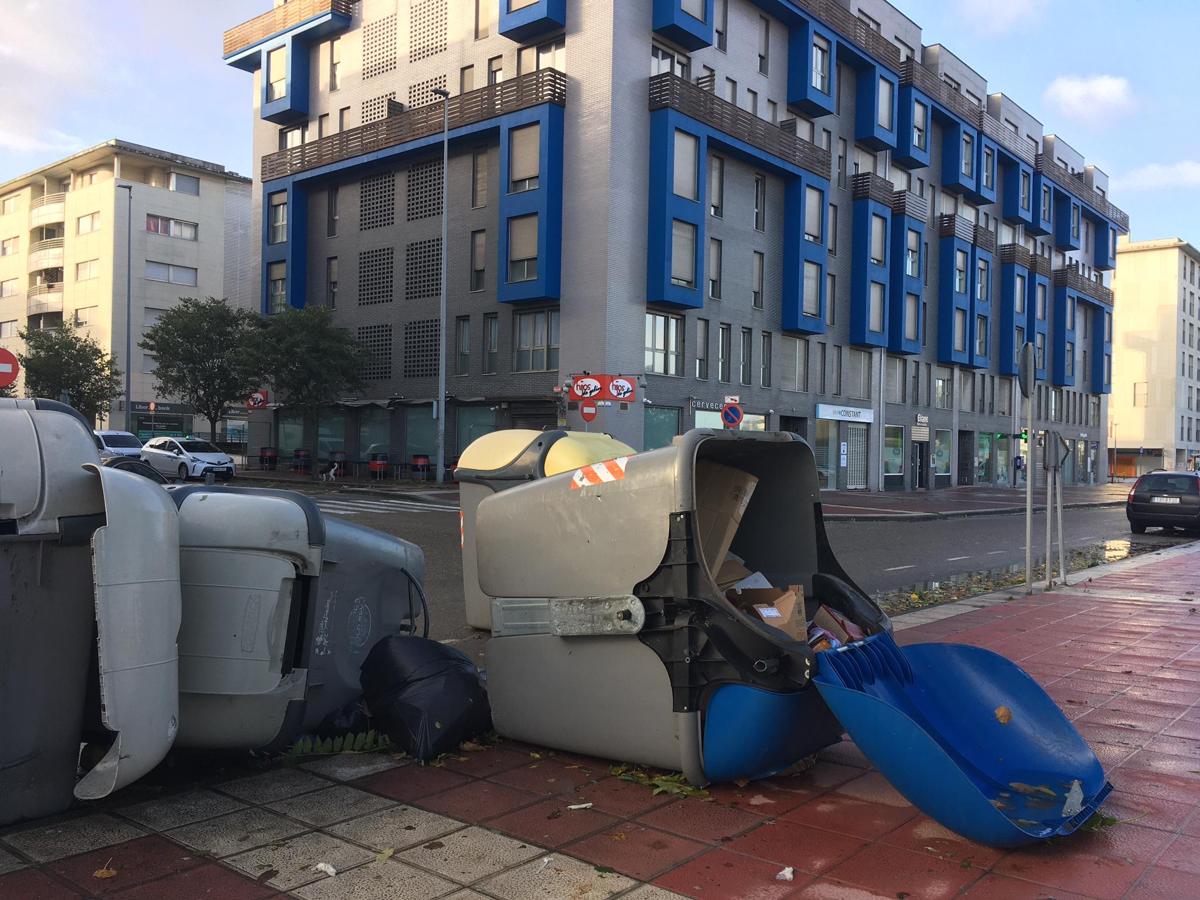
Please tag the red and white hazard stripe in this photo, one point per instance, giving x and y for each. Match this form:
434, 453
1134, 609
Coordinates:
600, 473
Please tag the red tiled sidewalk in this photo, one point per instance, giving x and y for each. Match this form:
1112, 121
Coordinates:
496, 823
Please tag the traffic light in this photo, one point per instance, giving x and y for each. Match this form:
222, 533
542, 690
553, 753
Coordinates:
1024, 434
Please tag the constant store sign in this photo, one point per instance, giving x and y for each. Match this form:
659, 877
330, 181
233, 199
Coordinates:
845, 413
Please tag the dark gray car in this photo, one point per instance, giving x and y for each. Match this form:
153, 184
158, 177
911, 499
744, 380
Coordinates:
1166, 499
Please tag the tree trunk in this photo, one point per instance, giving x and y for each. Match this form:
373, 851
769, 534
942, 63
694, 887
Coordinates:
212, 428
312, 418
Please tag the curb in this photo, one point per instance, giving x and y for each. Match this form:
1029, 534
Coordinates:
964, 514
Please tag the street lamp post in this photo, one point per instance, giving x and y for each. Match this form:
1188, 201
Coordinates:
128, 305
439, 406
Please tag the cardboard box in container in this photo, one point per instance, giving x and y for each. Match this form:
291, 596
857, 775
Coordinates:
722, 495
778, 608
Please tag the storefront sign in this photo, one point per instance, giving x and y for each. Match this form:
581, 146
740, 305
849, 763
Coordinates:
153, 406
845, 413
922, 419
603, 387
844, 454
920, 432
711, 405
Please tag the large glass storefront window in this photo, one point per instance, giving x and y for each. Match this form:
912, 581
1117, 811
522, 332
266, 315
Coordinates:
706, 418
291, 432
752, 422
942, 448
472, 422
374, 431
1003, 461
661, 426
826, 453
893, 457
331, 431
419, 437
983, 458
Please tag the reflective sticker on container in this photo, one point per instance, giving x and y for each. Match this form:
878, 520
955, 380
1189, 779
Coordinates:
599, 473
462, 531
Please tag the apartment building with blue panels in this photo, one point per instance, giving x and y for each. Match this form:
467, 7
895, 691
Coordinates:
794, 203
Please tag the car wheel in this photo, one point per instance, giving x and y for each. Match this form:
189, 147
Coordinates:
1137, 527
183, 472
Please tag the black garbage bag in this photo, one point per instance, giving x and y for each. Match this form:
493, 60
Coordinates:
425, 696
352, 718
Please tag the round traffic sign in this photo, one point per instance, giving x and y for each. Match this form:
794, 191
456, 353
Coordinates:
9, 368
588, 411
731, 415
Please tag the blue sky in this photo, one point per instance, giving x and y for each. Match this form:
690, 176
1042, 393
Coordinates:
1115, 78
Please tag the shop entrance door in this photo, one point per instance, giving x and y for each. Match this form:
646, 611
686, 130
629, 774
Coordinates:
856, 457
920, 465
966, 457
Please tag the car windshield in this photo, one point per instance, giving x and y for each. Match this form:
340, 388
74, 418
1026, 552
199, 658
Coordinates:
121, 440
1170, 484
198, 447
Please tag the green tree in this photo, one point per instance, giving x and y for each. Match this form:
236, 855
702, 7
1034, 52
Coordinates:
207, 355
8, 391
309, 362
61, 361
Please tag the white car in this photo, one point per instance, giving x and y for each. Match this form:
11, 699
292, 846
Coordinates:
117, 443
185, 458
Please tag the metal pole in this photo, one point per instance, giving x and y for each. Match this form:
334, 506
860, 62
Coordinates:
1051, 474
1029, 499
1062, 560
439, 405
128, 306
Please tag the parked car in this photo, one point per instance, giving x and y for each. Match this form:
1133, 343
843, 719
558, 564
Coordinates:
1166, 499
185, 458
118, 443
136, 466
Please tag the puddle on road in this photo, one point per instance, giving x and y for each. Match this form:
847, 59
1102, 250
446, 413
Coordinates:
984, 581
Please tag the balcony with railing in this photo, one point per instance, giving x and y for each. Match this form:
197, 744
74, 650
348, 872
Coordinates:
869, 186
1039, 265
47, 254
281, 19
906, 203
48, 209
1014, 254
669, 91
956, 227
858, 32
44, 298
1071, 278
1078, 185
522, 92
927, 82
984, 239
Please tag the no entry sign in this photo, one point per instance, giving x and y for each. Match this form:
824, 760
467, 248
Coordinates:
588, 411
731, 415
9, 368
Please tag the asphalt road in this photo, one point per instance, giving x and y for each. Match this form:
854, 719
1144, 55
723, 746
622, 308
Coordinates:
880, 556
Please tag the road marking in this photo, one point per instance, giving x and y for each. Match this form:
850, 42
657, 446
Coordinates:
995, 552
899, 568
956, 558
353, 506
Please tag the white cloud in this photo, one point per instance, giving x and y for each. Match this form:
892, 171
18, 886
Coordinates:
1090, 99
1160, 176
1000, 17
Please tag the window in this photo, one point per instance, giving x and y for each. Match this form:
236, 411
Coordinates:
687, 163
756, 280
1040, 304
1019, 342
278, 218
943, 389
343, 118
989, 168
960, 331
731, 91
702, 349
335, 63
8, 329
968, 155
912, 317
322, 125
331, 281
683, 254
1039, 351
1047, 212
752, 102
1070, 359
185, 184
912, 254
276, 287
482, 18
721, 25
820, 63
1074, 221
466, 79
837, 371
669, 62
747, 358
760, 202
524, 158
175, 228
87, 269
10, 246
694, 8
495, 70
920, 125
9, 204
462, 345
764, 360
550, 55
966, 390
814, 199
724, 352
858, 375
491, 343
1019, 295
960, 271
1026, 189
536, 344
716, 185
1070, 313
876, 310
664, 344
832, 227
87, 224
479, 179
523, 248
157, 271
885, 113
795, 364
1108, 328
276, 73
8, 287
764, 44
331, 213
981, 335
714, 269
878, 239
983, 281
812, 290
478, 259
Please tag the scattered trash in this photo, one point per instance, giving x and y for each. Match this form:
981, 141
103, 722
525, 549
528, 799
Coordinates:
471, 747
545, 863
1074, 804
580, 806
674, 784
385, 854
1003, 715
788, 874
1099, 821
104, 871
266, 875
760, 800
363, 742
326, 868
